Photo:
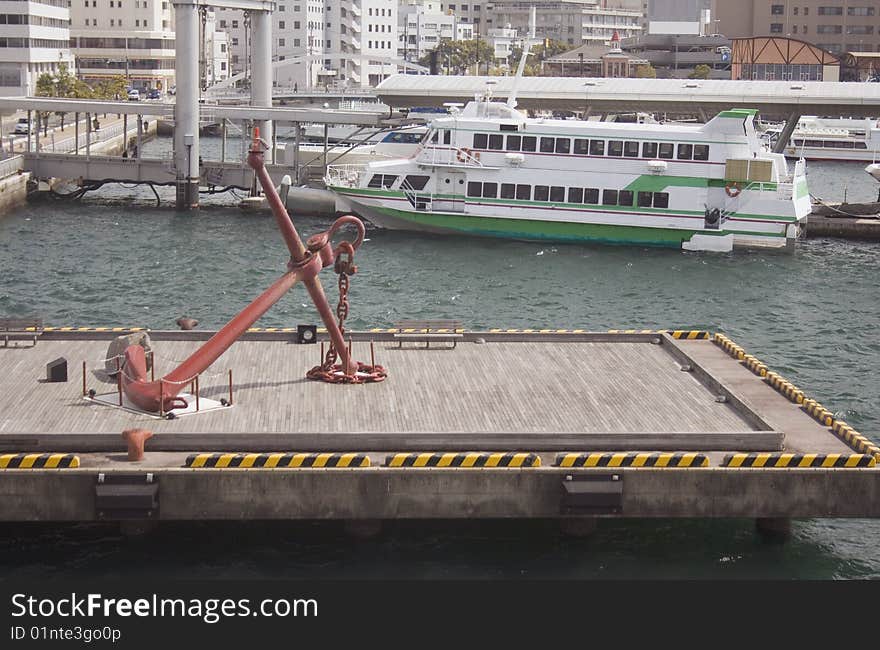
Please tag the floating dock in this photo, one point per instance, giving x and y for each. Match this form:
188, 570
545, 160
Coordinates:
560, 424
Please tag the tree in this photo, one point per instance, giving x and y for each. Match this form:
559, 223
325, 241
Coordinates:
61, 84
700, 72
537, 55
646, 72
112, 88
457, 56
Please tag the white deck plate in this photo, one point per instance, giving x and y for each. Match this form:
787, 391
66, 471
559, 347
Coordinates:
112, 399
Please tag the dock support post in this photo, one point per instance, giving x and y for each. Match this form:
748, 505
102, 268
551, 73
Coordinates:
76, 134
297, 135
785, 136
125, 132
186, 104
773, 529
30, 130
261, 69
223, 142
88, 135
37, 132
140, 135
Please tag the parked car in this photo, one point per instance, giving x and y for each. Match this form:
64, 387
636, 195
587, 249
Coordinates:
21, 126
155, 93
134, 95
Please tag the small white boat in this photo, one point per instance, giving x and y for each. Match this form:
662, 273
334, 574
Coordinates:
818, 138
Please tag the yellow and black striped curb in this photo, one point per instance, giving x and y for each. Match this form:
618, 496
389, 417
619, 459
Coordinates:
632, 459
753, 364
798, 460
464, 459
278, 460
818, 412
38, 461
676, 334
855, 439
729, 346
786, 388
90, 329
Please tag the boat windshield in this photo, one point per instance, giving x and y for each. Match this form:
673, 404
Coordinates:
403, 138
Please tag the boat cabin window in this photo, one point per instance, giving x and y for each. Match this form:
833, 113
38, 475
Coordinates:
382, 181
529, 143
415, 182
597, 147
508, 127
481, 140
435, 137
813, 143
508, 191
447, 137
685, 151
625, 197
548, 145
557, 194
523, 192
631, 149
581, 146
474, 189
563, 145
542, 193
513, 142
496, 141
661, 199
649, 150
403, 138
575, 195
645, 199
490, 190
615, 147
666, 150
701, 152
609, 197
591, 196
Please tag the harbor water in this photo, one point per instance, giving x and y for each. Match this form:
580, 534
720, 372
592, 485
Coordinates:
110, 260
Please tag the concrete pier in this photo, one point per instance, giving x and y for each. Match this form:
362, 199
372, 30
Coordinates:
564, 425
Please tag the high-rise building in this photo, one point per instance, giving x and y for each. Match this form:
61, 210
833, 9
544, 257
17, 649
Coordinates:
678, 17
574, 22
423, 24
36, 39
133, 38
836, 26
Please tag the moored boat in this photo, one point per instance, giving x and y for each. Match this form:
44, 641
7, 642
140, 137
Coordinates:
489, 170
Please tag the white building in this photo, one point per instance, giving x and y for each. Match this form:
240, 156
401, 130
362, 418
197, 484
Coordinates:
133, 38
575, 22
216, 52
503, 40
422, 24
35, 38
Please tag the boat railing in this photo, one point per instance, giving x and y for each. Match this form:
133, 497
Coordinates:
452, 156
344, 175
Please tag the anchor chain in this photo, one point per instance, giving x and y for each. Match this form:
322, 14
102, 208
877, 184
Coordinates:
330, 371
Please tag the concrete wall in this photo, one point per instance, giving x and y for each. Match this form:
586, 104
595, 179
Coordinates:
13, 192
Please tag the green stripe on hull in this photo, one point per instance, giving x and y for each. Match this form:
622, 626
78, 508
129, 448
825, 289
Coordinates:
544, 230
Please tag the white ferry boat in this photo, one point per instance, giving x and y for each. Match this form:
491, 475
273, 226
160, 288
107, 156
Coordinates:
488, 170
817, 138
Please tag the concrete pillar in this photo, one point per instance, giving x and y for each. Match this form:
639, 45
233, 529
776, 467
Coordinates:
261, 67
186, 105
774, 529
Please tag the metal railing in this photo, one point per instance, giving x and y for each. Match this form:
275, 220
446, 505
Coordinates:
11, 166
453, 156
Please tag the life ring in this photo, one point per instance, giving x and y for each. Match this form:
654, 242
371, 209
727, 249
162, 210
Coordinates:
733, 189
463, 154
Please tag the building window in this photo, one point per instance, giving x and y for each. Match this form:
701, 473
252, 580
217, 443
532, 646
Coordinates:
222, 24
296, 42
830, 11
296, 24
777, 10
280, 42
860, 11
280, 24
234, 24
828, 29
775, 28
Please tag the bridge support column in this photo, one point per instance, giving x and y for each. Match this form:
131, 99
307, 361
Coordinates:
261, 69
186, 104
785, 136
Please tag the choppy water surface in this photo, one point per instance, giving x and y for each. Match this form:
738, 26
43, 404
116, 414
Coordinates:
811, 315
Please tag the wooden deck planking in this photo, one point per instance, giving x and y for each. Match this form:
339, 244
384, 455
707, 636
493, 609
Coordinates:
525, 387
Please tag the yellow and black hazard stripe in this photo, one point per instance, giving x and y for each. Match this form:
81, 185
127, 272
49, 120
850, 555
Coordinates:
689, 334
729, 346
854, 439
798, 460
91, 329
752, 363
818, 412
632, 459
38, 461
785, 388
474, 459
637, 331
277, 460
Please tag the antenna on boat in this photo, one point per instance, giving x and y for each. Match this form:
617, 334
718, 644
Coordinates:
511, 100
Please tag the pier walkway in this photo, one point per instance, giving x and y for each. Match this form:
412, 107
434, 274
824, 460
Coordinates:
519, 424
